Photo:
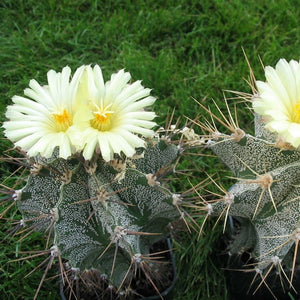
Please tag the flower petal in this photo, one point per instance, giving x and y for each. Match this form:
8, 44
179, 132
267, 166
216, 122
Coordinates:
279, 100
40, 123
117, 114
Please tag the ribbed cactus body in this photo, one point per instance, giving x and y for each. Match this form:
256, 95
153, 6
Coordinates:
266, 195
90, 208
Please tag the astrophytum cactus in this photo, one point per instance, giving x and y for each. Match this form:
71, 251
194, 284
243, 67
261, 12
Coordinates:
264, 202
96, 184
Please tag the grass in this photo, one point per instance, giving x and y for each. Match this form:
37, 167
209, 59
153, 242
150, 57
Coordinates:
181, 49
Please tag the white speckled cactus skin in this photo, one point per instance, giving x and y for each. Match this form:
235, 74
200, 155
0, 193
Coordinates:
90, 209
265, 198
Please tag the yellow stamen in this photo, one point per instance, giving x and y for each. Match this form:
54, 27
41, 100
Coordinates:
103, 118
296, 113
62, 121
102, 121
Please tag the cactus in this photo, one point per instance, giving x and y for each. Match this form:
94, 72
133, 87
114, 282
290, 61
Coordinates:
264, 200
102, 215
95, 188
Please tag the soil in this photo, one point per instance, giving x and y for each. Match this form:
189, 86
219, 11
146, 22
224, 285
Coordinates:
90, 285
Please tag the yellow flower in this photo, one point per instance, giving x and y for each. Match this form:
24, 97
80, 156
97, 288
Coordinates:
115, 114
278, 100
43, 121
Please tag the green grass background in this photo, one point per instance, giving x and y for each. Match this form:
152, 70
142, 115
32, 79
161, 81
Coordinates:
181, 49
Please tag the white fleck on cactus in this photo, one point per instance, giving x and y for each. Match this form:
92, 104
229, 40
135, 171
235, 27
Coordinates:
96, 182
102, 215
265, 200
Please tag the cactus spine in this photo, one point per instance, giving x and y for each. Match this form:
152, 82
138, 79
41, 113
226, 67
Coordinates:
102, 215
265, 198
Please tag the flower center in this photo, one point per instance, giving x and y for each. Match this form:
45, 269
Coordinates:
296, 113
102, 120
62, 121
